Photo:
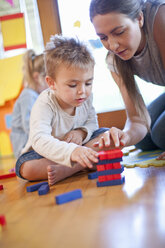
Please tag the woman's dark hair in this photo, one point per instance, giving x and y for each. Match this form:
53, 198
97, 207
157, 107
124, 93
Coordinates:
131, 8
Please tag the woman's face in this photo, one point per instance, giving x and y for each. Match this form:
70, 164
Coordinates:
119, 34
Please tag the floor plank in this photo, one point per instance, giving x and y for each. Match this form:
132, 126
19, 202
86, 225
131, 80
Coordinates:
130, 215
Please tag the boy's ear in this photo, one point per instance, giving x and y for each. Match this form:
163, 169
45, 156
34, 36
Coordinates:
50, 82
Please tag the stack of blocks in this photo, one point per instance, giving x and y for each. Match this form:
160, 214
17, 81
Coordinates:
109, 168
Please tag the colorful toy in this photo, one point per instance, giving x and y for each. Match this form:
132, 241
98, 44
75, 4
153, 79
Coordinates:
7, 175
1, 187
110, 156
35, 187
141, 159
69, 196
2, 220
109, 168
93, 175
43, 189
111, 182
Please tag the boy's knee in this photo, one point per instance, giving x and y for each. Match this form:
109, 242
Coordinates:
26, 171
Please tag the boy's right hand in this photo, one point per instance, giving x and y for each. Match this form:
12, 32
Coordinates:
84, 156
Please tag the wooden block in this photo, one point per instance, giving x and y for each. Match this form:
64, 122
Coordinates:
69, 196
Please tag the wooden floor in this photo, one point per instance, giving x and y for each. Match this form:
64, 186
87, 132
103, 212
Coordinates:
127, 216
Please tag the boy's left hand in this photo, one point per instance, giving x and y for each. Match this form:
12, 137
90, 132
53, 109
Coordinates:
75, 136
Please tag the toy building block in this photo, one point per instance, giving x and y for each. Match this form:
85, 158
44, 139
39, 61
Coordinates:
109, 166
69, 196
2, 220
111, 182
35, 187
93, 175
110, 172
1, 187
108, 161
43, 189
110, 154
7, 175
113, 166
109, 177
100, 167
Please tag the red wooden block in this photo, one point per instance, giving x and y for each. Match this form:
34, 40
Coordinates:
117, 165
102, 155
101, 178
7, 175
2, 220
111, 182
100, 167
111, 166
114, 153
110, 154
1, 187
109, 177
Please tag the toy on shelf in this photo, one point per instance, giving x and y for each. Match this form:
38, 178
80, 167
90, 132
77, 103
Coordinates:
109, 168
69, 196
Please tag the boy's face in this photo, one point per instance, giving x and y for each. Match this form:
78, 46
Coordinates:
72, 86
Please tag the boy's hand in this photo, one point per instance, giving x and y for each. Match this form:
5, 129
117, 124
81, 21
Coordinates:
75, 136
84, 156
113, 138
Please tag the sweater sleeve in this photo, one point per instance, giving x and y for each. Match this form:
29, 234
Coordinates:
91, 124
41, 137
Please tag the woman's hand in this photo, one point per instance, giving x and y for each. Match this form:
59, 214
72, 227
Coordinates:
161, 156
113, 138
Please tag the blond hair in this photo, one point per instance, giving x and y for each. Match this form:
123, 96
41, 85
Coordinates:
32, 63
69, 51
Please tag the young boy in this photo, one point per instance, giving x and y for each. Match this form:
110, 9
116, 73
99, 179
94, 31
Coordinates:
63, 119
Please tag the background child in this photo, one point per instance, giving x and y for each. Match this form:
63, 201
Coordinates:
63, 117
34, 83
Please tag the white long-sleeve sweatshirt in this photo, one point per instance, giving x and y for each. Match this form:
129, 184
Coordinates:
49, 124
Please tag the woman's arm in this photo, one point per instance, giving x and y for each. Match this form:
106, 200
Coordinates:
135, 127
159, 31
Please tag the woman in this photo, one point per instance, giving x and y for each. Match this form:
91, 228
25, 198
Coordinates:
130, 30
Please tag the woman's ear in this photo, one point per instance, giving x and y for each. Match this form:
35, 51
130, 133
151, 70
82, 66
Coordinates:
50, 82
141, 19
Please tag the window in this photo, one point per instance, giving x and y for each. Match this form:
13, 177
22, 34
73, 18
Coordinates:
32, 24
75, 22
